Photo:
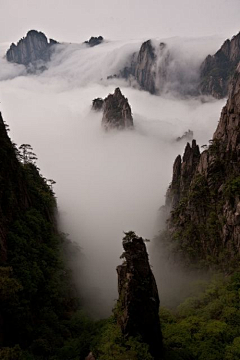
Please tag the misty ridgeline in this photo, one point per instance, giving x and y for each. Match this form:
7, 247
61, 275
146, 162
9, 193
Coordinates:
68, 296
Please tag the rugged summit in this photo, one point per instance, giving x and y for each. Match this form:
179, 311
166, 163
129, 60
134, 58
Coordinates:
117, 112
217, 70
143, 67
204, 194
138, 304
183, 170
93, 41
31, 49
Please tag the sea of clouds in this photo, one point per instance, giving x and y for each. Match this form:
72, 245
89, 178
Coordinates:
106, 183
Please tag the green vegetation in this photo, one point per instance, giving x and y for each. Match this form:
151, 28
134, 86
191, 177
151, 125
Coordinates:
110, 344
40, 317
206, 326
199, 217
232, 188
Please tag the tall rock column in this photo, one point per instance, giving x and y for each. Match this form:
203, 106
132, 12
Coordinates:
138, 305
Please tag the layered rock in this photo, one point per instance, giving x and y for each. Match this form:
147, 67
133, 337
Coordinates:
217, 70
93, 41
138, 305
117, 112
31, 49
204, 195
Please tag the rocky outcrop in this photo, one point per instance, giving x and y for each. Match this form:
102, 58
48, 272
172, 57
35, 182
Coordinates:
97, 104
117, 112
93, 41
31, 50
204, 195
160, 68
138, 305
142, 67
183, 171
217, 70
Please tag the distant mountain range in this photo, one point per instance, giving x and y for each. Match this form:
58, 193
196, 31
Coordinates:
150, 68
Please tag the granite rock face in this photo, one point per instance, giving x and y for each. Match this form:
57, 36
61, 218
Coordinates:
204, 196
117, 112
183, 171
32, 49
144, 68
93, 41
217, 70
160, 68
138, 305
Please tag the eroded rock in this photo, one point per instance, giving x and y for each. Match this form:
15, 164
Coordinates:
31, 50
138, 305
217, 70
204, 195
117, 112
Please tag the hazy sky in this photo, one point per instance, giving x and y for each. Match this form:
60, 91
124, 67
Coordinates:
77, 20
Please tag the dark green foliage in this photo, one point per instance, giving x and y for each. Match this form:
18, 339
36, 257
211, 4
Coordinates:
232, 188
39, 317
111, 344
207, 326
198, 218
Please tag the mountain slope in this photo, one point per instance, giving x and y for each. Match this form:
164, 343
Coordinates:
38, 312
217, 70
204, 196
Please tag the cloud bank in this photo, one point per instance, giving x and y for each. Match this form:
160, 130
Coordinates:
106, 183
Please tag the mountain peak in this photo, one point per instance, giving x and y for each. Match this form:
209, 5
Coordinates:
117, 112
31, 49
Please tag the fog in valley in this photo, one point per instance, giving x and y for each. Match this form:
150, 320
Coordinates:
107, 182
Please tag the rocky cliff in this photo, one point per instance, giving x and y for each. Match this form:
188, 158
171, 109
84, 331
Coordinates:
138, 305
31, 49
117, 113
217, 70
162, 68
204, 195
143, 67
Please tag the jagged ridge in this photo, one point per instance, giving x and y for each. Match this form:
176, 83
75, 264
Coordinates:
217, 70
204, 195
31, 49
